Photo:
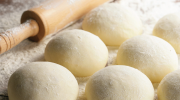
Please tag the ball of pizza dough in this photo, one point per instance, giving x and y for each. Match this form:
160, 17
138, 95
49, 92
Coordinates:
152, 55
168, 28
113, 23
119, 82
169, 88
42, 81
79, 51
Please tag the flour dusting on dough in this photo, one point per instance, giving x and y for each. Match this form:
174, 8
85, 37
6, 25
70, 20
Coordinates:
148, 10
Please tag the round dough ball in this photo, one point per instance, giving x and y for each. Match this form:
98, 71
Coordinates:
113, 23
131, 84
169, 88
151, 55
168, 28
79, 51
42, 81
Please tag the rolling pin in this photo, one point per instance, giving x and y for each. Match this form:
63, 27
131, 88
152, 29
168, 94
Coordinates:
47, 18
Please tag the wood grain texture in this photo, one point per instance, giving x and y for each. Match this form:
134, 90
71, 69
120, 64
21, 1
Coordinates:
14, 36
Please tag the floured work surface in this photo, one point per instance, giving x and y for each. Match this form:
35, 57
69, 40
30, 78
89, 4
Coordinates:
11, 10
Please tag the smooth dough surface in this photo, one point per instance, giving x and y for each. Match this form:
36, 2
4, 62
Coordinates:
168, 28
42, 81
152, 55
119, 82
79, 51
169, 88
113, 23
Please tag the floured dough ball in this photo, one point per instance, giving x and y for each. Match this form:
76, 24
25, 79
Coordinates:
42, 81
79, 51
168, 28
119, 82
113, 23
151, 55
169, 88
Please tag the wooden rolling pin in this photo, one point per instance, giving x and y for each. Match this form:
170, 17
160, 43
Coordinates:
45, 19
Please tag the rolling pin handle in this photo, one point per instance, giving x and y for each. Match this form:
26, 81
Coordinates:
14, 36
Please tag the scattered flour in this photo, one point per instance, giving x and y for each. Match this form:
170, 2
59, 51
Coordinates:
150, 11
50, 5
10, 13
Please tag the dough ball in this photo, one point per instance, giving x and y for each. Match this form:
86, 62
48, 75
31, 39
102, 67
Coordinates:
151, 55
168, 28
113, 23
42, 81
79, 51
119, 82
169, 88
